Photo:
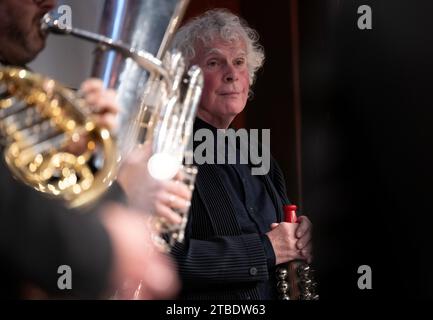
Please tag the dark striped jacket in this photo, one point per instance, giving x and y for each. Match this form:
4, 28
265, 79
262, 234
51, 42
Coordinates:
217, 261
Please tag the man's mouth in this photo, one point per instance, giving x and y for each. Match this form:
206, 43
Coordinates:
229, 93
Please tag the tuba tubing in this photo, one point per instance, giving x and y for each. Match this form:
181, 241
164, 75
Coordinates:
144, 59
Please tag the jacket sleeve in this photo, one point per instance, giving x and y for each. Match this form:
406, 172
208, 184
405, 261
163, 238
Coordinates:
221, 260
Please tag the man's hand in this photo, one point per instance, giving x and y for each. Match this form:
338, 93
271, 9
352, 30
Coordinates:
146, 193
101, 102
102, 105
291, 241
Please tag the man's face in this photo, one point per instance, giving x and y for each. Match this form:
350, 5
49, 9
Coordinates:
226, 87
20, 35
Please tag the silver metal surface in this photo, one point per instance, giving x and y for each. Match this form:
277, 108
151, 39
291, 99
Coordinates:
145, 25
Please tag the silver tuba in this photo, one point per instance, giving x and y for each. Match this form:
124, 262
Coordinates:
39, 117
147, 25
159, 111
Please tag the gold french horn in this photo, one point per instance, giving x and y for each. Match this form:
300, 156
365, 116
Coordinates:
39, 121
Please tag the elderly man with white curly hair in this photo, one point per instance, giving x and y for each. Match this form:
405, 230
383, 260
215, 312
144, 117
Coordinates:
235, 235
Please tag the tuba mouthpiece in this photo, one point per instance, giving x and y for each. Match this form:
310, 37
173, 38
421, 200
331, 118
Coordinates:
50, 23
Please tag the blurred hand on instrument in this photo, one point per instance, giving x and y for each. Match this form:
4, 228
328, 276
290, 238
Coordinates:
102, 105
137, 262
101, 102
157, 197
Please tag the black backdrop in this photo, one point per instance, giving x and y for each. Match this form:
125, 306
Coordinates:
368, 145
367, 136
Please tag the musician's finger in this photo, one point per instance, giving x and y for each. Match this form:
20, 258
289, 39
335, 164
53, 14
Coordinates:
304, 240
178, 189
303, 227
274, 225
307, 252
173, 201
91, 85
102, 102
167, 213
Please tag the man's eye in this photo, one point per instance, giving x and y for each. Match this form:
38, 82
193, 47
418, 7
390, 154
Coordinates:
240, 62
212, 63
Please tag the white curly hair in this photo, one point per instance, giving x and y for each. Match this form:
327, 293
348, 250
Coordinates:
224, 24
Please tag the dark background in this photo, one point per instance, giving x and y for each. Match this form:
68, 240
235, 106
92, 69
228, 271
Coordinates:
351, 119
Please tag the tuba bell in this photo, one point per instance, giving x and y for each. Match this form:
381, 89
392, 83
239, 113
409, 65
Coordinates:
39, 118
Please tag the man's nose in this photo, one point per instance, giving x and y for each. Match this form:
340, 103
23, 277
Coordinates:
46, 5
231, 74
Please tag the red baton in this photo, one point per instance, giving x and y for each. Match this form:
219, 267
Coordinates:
290, 213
